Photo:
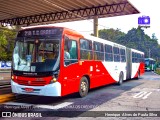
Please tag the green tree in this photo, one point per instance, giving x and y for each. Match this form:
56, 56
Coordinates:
111, 34
6, 43
135, 38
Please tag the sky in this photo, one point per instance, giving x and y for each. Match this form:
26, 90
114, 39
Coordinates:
149, 8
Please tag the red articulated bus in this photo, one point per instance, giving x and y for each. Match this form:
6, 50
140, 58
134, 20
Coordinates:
56, 61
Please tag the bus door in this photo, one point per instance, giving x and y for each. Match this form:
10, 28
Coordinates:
70, 63
129, 63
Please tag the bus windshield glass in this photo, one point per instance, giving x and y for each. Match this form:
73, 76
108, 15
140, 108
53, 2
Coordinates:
36, 54
146, 62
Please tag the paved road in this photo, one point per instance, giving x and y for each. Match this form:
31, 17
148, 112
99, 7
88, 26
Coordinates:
133, 95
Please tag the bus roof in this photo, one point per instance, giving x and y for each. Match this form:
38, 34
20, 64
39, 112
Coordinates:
89, 37
134, 50
149, 59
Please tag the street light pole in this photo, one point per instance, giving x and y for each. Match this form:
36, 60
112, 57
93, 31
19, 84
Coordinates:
149, 53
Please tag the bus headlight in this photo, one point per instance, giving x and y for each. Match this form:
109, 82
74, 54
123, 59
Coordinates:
54, 79
12, 77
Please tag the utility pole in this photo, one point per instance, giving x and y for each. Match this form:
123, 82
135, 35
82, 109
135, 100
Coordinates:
149, 53
95, 26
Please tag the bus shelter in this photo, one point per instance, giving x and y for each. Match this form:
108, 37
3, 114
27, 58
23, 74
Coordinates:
36, 12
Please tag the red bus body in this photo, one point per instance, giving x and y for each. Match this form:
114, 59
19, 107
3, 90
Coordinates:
97, 72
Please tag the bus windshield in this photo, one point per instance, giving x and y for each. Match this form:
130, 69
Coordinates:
36, 55
146, 62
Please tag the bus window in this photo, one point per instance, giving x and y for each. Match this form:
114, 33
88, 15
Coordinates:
70, 52
116, 54
35, 53
73, 50
108, 53
123, 55
85, 49
134, 58
98, 51
139, 57
48, 51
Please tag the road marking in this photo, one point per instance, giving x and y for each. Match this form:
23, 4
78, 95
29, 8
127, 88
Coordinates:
148, 89
56, 106
146, 95
142, 94
62, 105
151, 89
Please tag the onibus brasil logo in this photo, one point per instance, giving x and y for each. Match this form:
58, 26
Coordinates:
144, 21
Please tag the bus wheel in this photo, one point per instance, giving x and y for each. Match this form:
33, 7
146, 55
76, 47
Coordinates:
83, 88
138, 75
120, 79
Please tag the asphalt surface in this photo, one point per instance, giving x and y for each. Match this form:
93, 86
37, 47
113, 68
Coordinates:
134, 97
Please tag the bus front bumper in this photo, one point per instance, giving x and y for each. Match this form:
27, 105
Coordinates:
53, 89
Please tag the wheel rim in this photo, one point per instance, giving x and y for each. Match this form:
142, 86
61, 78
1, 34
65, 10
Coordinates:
120, 79
83, 87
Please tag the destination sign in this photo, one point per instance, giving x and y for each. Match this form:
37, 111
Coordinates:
40, 32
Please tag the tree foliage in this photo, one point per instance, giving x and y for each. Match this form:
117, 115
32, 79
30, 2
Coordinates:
111, 34
135, 38
6, 43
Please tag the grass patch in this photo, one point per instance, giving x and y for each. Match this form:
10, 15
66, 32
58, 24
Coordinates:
158, 71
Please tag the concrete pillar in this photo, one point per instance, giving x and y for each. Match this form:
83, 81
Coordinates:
95, 21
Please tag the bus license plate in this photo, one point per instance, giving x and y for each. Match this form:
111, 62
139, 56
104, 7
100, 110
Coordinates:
28, 89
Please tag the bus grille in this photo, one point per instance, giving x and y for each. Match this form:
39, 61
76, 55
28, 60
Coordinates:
31, 83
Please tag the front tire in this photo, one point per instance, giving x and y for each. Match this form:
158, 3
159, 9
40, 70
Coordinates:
83, 87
